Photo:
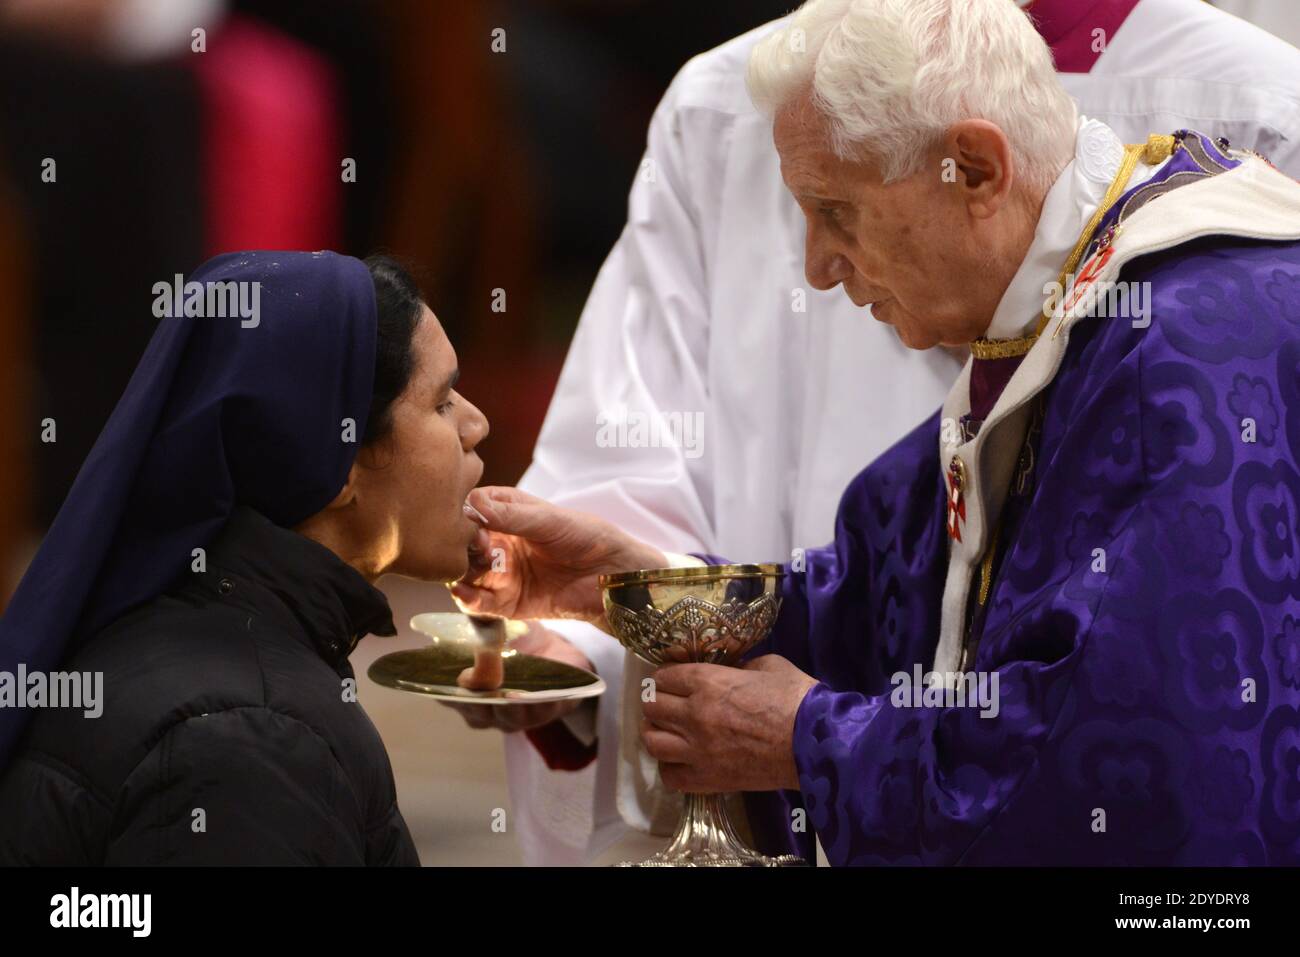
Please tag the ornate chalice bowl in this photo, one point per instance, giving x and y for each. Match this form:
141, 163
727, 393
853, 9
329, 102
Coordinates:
712, 614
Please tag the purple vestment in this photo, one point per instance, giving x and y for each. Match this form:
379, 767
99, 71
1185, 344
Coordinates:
1143, 623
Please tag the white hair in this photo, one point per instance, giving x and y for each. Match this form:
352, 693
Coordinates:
891, 76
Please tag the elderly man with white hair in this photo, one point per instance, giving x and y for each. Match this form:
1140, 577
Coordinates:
703, 307
1058, 622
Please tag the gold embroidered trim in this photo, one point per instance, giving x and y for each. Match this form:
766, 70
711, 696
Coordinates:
986, 566
983, 348
1160, 146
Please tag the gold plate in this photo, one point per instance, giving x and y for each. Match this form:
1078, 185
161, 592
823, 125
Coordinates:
432, 672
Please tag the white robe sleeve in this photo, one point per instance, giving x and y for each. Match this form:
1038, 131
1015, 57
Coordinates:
640, 350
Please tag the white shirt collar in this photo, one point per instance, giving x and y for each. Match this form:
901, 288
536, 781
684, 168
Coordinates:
1070, 203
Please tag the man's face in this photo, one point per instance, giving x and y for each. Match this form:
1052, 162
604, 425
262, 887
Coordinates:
910, 250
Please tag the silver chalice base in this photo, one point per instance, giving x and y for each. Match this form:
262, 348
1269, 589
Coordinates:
712, 614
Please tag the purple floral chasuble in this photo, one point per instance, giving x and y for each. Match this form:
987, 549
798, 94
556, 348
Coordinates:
1143, 623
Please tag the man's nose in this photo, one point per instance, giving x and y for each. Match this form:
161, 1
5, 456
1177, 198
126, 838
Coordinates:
824, 267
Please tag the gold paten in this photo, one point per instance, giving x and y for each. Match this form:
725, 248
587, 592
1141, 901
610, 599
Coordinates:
454, 639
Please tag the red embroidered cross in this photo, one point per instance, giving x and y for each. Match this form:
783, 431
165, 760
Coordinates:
956, 498
1091, 270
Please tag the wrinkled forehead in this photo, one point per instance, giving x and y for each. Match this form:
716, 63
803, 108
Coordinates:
798, 126
801, 136
809, 166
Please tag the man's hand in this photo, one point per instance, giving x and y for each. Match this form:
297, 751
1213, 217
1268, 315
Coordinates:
537, 560
541, 642
714, 728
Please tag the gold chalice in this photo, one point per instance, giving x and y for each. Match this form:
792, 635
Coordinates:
712, 614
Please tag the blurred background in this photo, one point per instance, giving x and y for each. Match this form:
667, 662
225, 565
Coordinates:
494, 142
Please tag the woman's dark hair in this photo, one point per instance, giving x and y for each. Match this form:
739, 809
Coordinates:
397, 298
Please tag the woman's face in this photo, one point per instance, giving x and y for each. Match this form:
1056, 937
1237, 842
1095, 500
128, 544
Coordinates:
411, 485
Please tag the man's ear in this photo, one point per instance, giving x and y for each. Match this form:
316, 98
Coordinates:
983, 156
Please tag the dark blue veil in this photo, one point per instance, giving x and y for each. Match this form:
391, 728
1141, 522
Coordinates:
250, 410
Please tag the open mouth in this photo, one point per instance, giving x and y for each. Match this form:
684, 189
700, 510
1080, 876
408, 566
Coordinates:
471, 513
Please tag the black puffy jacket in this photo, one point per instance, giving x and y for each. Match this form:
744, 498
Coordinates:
230, 731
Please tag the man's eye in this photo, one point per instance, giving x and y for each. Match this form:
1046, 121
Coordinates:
831, 212
446, 407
